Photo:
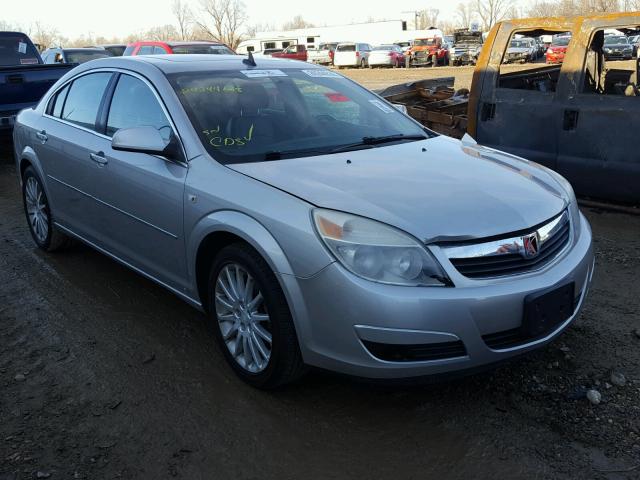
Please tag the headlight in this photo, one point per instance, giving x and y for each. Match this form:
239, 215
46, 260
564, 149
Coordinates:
574, 211
377, 252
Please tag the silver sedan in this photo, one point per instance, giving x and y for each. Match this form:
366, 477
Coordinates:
314, 223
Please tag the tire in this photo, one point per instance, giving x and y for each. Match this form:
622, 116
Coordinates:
242, 324
39, 216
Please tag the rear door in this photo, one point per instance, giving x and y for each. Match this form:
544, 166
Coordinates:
64, 146
600, 116
140, 195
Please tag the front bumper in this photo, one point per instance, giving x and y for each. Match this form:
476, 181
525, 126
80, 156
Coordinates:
337, 313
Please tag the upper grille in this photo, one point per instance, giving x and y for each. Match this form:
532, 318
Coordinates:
507, 256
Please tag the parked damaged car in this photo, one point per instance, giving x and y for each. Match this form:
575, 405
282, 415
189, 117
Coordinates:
259, 192
582, 111
617, 47
466, 47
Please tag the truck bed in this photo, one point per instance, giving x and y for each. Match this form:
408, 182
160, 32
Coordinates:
434, 103
22, 86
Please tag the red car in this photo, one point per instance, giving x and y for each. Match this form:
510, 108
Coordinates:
168, 48
557, 50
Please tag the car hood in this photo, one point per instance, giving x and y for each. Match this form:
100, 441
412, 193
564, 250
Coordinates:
618, 45
518, 50
437, 189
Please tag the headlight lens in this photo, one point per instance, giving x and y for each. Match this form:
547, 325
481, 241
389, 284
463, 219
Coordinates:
377, 252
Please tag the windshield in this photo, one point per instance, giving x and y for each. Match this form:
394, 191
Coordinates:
257, 115
81, 56
615, 40
561, 42
425, 42
17, 50
202, 49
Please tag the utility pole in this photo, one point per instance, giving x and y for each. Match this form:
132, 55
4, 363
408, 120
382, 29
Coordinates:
416, 16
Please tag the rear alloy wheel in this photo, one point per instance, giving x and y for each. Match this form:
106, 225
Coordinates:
36, 208
251, 319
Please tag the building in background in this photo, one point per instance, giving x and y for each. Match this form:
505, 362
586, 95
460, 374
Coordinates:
374, 33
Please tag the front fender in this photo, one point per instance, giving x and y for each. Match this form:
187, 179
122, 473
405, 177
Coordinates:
243, 226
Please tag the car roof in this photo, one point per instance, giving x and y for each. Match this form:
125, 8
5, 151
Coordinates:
169, 64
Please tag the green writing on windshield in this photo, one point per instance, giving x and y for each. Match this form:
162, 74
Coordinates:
212, 89
216, 140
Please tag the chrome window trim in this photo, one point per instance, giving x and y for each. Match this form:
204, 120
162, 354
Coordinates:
506, 246
106, 137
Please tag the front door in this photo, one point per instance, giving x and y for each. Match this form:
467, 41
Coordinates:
141, 195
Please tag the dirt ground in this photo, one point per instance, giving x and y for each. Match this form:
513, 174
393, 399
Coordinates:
103, 374
379, 78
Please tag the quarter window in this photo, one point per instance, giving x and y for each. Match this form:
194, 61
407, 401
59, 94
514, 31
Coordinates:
57, 102
83, 100
135, 105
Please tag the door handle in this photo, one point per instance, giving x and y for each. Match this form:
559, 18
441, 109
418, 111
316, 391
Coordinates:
99, 158
570, 121
42, 136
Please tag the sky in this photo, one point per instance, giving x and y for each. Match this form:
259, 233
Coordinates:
119, 18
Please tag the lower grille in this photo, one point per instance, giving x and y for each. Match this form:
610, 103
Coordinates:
415, 353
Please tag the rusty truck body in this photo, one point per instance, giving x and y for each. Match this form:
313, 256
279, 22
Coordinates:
580, 118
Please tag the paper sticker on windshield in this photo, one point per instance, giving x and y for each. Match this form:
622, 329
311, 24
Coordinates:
22, 47
381, 105
321, 73
263, 73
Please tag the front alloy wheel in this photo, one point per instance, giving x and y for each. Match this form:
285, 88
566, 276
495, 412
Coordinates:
242, 318
251, 320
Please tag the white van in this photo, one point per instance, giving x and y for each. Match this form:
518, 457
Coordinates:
350, 54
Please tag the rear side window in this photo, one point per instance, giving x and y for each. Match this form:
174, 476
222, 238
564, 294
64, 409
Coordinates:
83, 99
135, 105
17, 50
146, 50
159, 51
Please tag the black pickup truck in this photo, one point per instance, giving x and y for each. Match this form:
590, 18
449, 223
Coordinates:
24, 79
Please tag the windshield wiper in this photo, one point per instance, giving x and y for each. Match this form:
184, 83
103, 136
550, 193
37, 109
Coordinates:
371, 141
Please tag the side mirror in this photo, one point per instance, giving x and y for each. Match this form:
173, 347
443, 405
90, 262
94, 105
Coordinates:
145, 140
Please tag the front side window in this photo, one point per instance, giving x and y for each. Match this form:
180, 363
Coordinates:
259, 115
84, 97
134, 105
159, 51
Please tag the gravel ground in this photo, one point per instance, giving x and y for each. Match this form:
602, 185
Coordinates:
103, 374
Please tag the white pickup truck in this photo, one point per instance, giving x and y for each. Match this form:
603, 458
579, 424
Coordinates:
323, 55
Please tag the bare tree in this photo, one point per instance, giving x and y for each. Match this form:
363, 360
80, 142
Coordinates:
297, 22
45, 36
184, 19
428, 18
223, 20
464, 14
162, 33
491, 11
252, 30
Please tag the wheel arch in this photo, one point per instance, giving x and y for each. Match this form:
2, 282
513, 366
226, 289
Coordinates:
222, 228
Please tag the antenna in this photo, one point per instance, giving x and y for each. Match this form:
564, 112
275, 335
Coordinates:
250, 61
